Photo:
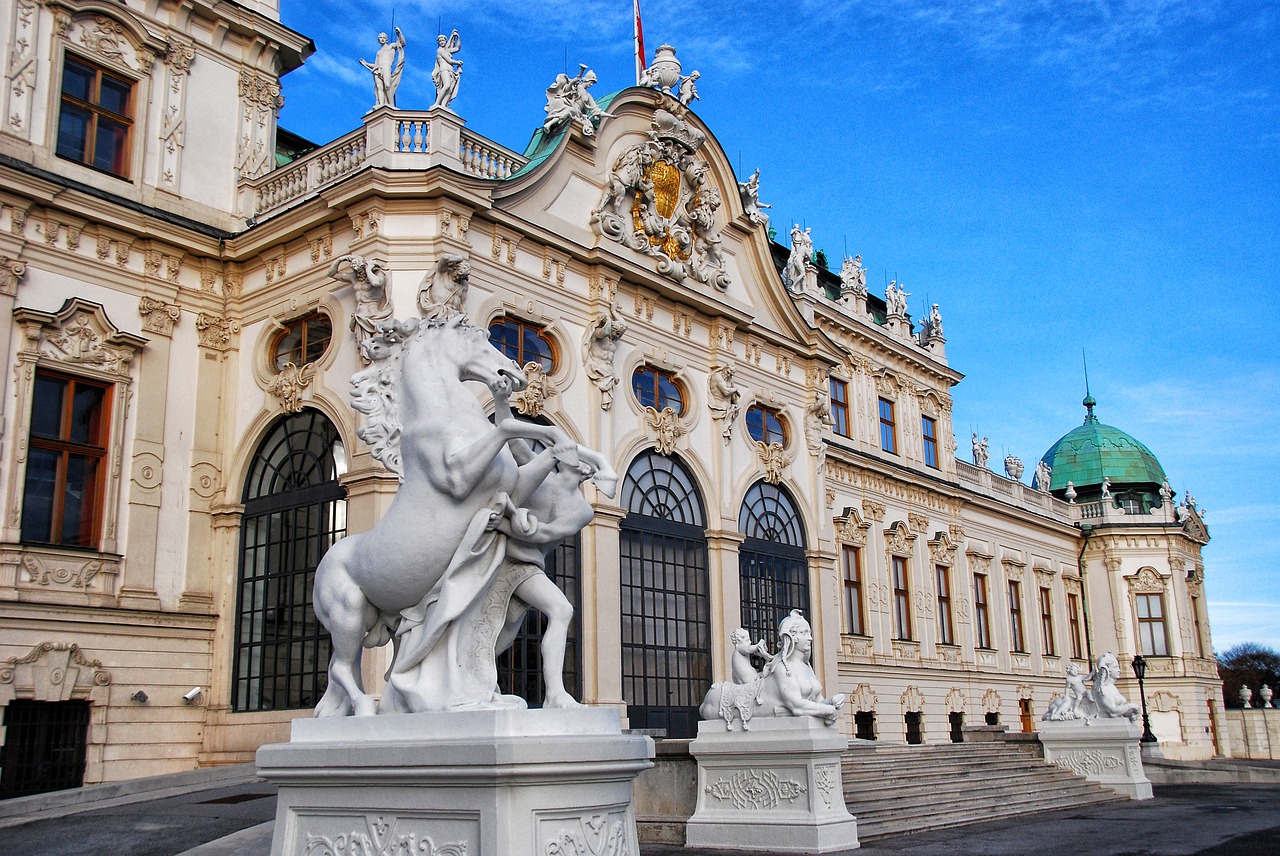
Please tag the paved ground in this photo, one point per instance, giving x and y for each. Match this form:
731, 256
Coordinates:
1210, 820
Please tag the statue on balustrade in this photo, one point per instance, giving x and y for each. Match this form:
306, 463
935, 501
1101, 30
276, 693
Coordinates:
386, 67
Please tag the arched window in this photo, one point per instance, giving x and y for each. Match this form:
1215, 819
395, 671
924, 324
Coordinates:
772, 568
303, 340
523, 342
766, 424
666, 611
294, 510
657, 389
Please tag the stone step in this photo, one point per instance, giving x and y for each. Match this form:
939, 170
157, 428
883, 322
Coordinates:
974, 780
872, 827
901, 789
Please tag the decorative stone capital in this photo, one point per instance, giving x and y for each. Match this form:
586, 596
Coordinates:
11, 273
215, 331
158, 316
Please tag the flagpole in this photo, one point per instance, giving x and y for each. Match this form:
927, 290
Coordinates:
639, 33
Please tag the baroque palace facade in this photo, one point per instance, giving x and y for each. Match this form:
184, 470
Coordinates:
179, 446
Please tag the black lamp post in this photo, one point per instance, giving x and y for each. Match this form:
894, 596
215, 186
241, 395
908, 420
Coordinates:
1140, 669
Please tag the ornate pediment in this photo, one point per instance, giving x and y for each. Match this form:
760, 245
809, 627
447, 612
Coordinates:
1146, 581
851, 529
80, 336
52, 671
942, 550
657, 201
899, 539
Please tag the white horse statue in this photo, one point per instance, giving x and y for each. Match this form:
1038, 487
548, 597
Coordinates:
1101, 700
787, 686
434, 575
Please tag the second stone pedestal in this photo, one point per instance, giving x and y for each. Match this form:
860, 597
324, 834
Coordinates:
1102, 750
480, 783
774, 789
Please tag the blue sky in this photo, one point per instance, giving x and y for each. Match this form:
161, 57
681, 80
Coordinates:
1057, 175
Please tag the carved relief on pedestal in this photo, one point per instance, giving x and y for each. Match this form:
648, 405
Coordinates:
380, 835
589, 834
656, 201
755, 790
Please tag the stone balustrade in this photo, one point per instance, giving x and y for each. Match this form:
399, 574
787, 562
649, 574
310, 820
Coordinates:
390, 139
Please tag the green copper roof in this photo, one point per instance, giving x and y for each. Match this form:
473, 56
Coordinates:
1092, 451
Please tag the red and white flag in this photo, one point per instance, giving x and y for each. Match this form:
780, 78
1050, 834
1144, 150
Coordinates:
640, 60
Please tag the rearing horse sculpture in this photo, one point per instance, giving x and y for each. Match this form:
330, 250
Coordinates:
424, 574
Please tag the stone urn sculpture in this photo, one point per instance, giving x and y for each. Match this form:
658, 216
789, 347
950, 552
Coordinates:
1013, 467
1245, 695
664, 71
1265, 692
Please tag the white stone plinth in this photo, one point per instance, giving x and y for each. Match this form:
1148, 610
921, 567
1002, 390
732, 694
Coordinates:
1102, 750
774, 789
480, 783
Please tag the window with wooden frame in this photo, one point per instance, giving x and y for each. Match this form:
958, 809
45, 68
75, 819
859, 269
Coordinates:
1046, 622
851, 565
766, 425
946, 634
67, 460
981, 616
303, 340
1152, 632
901, 599
1016, 640
888, 427
95, 117
1073, 626
839, 406
523, 343
929, 434
658, 389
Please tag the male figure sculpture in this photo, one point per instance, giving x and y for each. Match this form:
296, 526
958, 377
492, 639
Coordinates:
386, 68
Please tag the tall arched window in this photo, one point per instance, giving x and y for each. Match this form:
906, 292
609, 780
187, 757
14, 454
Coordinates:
666, 611
773, 571
294, 510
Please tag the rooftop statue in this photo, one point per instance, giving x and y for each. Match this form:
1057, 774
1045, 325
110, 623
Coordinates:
664, 74
786, 686
387, 64
1044, 476
853, 278
451, 564
568, 101
793, 275
447, 71
750, 192
981, 451
688, 90
1101, 701
934, 329
895, 299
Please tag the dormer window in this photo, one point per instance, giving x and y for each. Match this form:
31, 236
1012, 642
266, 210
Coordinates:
95, 117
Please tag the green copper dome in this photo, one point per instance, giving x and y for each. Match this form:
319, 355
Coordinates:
1087, 454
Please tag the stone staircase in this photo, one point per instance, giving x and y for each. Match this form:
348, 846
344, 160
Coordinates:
893, 790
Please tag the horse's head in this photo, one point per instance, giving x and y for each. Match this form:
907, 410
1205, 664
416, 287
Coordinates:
456, 343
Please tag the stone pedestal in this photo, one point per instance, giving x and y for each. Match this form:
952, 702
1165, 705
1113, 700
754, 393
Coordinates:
1102, 750
773, 789
480, 783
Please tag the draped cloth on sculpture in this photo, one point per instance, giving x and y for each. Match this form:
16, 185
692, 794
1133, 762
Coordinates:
463, 614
